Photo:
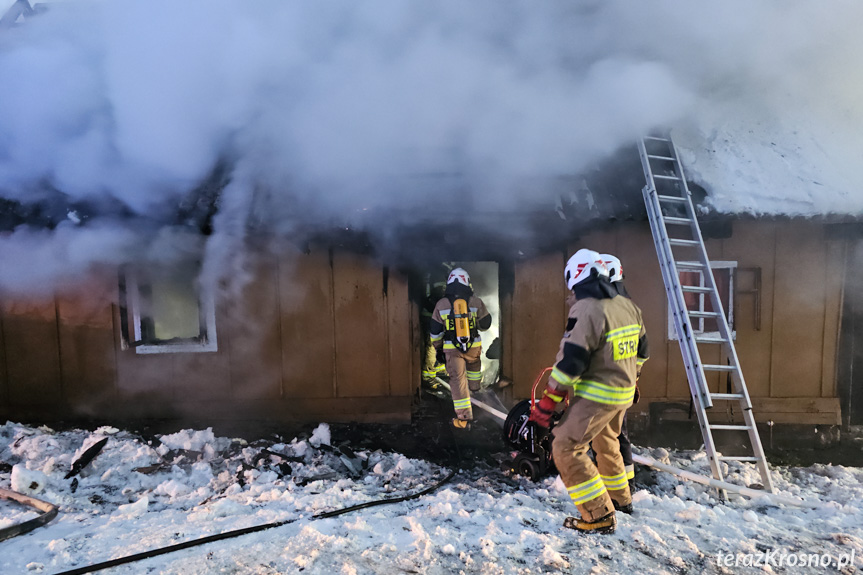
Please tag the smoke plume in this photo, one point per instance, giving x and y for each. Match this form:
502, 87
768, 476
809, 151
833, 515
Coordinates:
324, 110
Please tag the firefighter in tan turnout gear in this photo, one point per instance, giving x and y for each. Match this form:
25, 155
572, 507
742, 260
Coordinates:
597, 366
615, 274
455, 324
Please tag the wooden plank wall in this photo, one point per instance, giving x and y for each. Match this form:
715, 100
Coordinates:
4, 378
362, 350
251, 334
87, 351
789, 364
32, 353
538, 318
851, 353
307, 324
328, 335
307, 336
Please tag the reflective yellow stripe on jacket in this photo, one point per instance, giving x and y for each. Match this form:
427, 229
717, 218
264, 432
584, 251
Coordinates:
448, 345
563, 378
624, 331
624, 341
607, 394
594, 390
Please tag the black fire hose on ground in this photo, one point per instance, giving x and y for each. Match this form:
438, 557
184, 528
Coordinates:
238, 532
47, 512
245, 531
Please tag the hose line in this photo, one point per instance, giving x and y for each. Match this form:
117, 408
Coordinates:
238, 532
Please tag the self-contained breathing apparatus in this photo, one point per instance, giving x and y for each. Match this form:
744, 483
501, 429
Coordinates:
461, 327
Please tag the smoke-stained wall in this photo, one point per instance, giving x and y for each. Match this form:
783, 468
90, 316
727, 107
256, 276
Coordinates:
318, 335
329, 334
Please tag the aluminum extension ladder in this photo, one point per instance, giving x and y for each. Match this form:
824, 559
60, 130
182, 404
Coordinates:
669, 206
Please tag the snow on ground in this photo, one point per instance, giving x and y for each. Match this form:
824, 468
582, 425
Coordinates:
136, 496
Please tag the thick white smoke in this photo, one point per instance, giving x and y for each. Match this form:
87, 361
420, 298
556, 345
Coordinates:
331, 105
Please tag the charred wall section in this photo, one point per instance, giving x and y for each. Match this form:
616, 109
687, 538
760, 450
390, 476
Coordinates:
850, 366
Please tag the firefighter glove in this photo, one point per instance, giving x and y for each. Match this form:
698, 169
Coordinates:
543, 410
637, 395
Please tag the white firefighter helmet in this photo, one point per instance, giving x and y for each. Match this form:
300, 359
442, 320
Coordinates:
460, 276
580, 265
615, 268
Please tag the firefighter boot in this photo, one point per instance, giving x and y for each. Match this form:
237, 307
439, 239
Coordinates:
461, 424
603, 525
622, 508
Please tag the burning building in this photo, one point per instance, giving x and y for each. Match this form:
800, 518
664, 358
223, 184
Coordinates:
239, 223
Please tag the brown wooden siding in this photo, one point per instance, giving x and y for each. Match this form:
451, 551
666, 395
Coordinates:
750, 342
322, 335
307, 336
4, 379
32, 353
308, 327
362, 350
538, 318
789, 364
87, 350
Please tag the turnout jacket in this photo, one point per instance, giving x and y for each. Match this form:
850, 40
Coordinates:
439, 328
602, 350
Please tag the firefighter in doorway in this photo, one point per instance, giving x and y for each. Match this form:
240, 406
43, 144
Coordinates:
615, 274
432, 368
457, 319
597, 366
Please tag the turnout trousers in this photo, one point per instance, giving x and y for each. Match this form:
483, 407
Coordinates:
626, 451
591, 486
465, 374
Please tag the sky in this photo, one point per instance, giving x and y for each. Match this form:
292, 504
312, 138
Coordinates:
331, 109
138, 495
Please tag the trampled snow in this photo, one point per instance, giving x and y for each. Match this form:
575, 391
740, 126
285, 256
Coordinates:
138, 495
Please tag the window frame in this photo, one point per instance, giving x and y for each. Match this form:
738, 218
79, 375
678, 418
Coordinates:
132, 317
729, 313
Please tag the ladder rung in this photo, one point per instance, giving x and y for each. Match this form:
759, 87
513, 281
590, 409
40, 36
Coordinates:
726, 396
731, 427
655, 157
660, 177
696, 289
710, 340
664, 198
689, 265
676, 242
656, 138
673, 220
718, 367
702, 314
738, 458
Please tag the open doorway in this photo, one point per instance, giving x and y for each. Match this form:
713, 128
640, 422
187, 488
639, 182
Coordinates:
485, 280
